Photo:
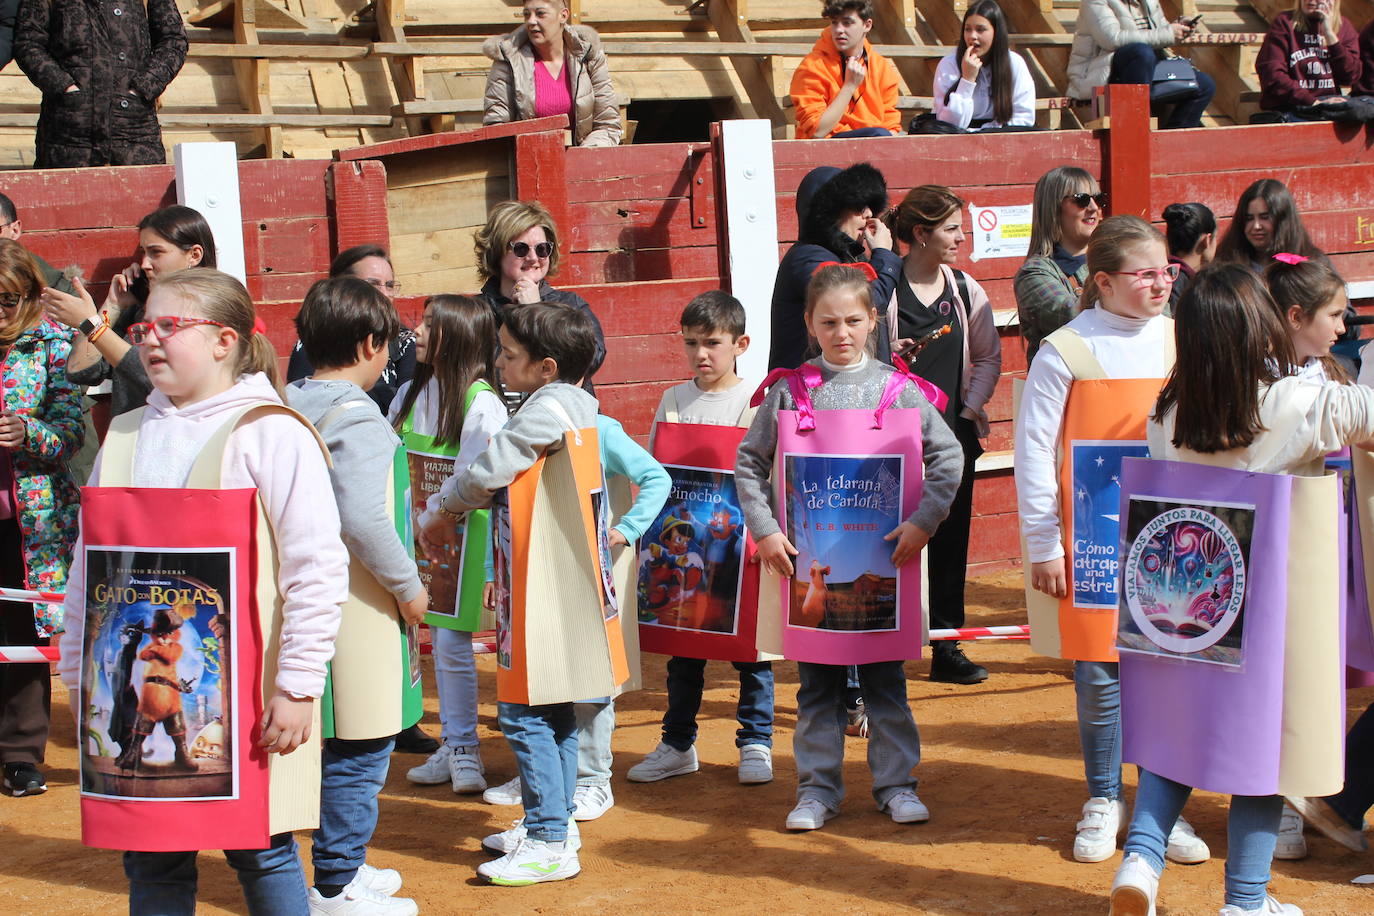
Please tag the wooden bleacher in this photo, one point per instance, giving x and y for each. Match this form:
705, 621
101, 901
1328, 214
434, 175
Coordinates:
302, 78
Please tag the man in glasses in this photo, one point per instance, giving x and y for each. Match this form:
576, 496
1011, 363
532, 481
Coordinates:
11, 229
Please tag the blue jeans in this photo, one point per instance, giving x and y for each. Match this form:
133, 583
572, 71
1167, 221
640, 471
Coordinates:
862, 132
1134, 63
353, 772
455, 675
1355, 799
686, 681
1251, 831
164, 883
544, 741
894, 745
1097, 687
595, 725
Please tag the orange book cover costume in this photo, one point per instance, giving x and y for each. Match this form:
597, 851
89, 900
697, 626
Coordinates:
818, 80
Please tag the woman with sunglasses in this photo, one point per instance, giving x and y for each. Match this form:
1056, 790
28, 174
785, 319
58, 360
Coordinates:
168, 239
517, 250
1067, 208
371, 264
40, 430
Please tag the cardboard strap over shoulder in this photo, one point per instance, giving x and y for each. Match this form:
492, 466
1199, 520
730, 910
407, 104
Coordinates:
1073, 349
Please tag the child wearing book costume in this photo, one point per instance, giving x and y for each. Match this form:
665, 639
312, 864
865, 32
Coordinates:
841, 317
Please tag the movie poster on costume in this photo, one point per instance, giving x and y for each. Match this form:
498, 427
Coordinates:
501, 575
601, 511
1096, 534
439, 575
839, 509
1184, 578
158, 678
691, 557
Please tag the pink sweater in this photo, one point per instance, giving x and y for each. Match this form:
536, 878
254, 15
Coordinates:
281, 459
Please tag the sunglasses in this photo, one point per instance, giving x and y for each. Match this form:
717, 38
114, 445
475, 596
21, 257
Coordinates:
1083, 198
10, 300
522, 249
1150, 275
165, 327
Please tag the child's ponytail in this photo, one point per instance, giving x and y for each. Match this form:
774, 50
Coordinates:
1108, 248
223, 299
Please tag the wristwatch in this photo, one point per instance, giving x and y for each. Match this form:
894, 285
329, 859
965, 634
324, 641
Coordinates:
88, 326
450, 514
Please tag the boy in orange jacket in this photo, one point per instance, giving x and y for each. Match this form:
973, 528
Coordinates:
844, 88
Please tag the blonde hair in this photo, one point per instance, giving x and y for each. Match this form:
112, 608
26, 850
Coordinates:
506, 222
1301, 22
1115, 236
223, 299
1050, 191
19, 269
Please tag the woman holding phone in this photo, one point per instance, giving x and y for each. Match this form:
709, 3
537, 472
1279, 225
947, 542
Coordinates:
943, 324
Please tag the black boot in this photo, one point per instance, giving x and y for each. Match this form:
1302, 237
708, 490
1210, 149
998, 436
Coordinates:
949, 664
133, 754
414, 741
183, 759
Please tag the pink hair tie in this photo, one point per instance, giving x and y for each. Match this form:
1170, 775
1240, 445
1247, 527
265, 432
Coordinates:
259, 326
1290, 259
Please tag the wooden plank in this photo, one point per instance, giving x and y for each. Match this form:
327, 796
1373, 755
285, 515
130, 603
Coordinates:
1128, 151
626, 309
643, 358
730, 19
57, 199
626, 163
277, 52
605, 226
287, 246
640, 265
1314, 188
434, 207
457, 138
1284, 146
632, 404
542, 175
359, 204
440, 167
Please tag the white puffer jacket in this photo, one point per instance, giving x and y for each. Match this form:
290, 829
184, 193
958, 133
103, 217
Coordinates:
1104, 26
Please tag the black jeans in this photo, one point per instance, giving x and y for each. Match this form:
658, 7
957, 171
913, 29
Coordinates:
947, 552
25, 690
1135, 64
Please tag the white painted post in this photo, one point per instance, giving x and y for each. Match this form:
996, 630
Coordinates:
208, 181
751, 221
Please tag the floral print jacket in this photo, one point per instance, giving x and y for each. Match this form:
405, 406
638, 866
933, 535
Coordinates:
34, 386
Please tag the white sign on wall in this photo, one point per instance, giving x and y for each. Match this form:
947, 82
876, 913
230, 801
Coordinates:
1000, 232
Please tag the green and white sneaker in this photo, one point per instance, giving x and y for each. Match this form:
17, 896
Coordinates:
532, 862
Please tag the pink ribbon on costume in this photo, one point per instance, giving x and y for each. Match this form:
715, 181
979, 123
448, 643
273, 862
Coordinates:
259, 326
932, 392
1289, 259
800, 381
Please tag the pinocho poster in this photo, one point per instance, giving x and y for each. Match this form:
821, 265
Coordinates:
1096, 529
1184, 580
158, 716
691, 557
839, 510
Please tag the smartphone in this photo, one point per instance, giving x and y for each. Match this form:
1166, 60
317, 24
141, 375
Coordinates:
1192, 23
138, 288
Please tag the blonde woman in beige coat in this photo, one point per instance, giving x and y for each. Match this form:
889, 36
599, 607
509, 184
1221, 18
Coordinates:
548, 67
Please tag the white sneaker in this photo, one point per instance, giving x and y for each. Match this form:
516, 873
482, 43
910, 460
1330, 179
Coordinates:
665, 761
508, 793
755, 764
357, 899
532, 862
1185, 846
434, 770
1135, 887
385, 881
1270, 907
1291, 844
506, 841
590, 802
810, 814
1317, 813
465, 770
906, 808
1098, 830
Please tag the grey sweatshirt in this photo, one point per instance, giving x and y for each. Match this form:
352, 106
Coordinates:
363, 447
533, 430
858, 389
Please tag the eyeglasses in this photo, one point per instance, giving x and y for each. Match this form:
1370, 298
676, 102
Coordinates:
392, 285
164, 327
522, 249
10, 300
1150, 275
1083, 198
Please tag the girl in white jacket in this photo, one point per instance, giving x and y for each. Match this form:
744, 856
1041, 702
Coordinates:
982, 84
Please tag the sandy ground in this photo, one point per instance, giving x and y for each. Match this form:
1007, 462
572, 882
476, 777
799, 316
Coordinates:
1001, 774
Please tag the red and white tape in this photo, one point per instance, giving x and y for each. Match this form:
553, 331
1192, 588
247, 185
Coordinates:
1020, 631
23, 594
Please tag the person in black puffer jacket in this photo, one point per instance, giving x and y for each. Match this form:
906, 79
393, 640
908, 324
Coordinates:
838, 219
101, 68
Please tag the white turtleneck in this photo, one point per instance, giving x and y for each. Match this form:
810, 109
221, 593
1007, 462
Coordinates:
852, 367
1126, 348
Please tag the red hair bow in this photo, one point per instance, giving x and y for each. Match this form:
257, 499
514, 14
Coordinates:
259, 326
1289, 259
862, 267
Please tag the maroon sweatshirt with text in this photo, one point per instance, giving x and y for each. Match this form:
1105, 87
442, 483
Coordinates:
1295, 69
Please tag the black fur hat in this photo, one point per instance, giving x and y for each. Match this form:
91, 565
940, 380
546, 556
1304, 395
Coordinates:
859, 186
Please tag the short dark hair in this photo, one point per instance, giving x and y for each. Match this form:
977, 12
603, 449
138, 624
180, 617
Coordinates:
1186, 225
342, 265
715, 310
552, 330
833, 9
7, 212
184, 228
338, 314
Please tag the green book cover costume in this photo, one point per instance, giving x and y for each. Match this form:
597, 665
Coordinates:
455, 584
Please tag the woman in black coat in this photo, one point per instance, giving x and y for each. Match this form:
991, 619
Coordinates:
101, 68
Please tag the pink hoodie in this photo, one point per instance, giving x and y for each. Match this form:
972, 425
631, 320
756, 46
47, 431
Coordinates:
281, 459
